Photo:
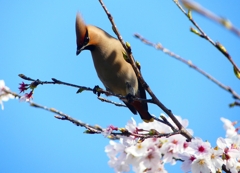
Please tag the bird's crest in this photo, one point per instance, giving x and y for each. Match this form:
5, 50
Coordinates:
81, 30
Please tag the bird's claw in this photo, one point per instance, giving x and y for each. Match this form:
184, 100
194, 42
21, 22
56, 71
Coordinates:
97, 90
130, 97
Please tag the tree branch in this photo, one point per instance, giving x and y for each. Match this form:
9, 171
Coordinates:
210, 15
158, 46
205, 36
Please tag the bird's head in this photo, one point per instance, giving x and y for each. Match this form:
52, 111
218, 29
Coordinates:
82, 35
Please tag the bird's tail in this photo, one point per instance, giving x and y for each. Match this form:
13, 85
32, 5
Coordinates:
143, 112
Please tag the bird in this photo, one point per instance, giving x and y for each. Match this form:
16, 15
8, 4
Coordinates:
116, 74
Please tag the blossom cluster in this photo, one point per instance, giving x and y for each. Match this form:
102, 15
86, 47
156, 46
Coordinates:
23, 87
150, 155
5, 93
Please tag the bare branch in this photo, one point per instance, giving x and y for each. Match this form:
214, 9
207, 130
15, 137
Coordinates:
96, 90
159, 46
210, 15
109, 101
205, 36
90, 129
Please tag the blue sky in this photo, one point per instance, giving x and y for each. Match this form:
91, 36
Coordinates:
38, 40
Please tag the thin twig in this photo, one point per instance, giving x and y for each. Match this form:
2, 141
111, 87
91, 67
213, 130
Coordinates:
61, 116
144, 84
64, 116
80, 88
189, 63
165, 121
78, 123
205, 36
194, 23
161, 135
96, 90
96, 129
237, 103
210, 15
12, 93
109, 101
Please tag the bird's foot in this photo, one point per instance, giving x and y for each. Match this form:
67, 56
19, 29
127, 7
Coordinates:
97, 90
130, 97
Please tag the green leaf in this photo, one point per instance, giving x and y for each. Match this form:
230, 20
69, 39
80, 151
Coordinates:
125, 56
189, 14
226, 23
128, 45
194, 31
221, 47
236, 72
232, 104
80, 90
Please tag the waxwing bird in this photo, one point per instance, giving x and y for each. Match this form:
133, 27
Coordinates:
116, 74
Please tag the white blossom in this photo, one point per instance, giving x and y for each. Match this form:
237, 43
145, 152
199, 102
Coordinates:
3, 95
151, 154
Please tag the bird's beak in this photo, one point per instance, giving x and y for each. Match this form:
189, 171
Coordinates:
78, 51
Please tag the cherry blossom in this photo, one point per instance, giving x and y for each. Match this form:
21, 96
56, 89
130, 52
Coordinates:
106, 132
3, 95
228, 126
151, 154
23, 87
27, 97
202, 165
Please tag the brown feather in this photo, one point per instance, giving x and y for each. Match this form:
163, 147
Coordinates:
81, 30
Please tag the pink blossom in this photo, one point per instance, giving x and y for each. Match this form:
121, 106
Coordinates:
106, 132
202, 165
198, 147
228, 126
172, 148
23, 87
132, 126
188, 159
231, 154
27, 97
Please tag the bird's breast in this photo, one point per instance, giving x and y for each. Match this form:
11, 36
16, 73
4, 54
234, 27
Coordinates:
114, 72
